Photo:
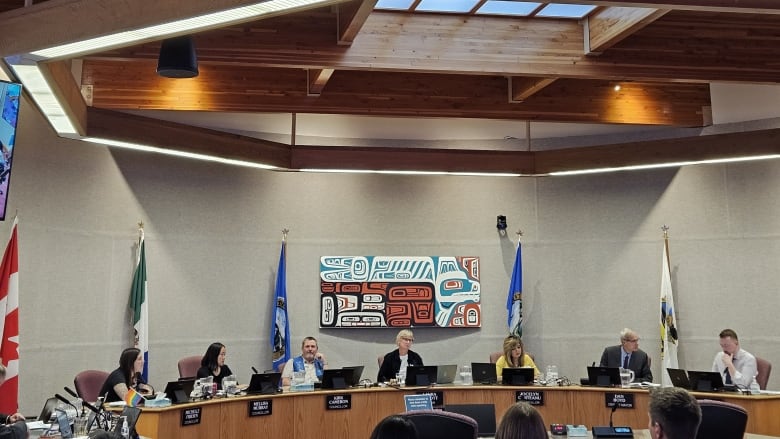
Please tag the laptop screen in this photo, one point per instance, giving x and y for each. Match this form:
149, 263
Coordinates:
484, 414
484, 373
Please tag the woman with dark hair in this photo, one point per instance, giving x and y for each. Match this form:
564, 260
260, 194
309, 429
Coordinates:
394, 427
213, 364
521, 421
126, 376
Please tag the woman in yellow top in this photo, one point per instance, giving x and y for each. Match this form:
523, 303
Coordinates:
515, 356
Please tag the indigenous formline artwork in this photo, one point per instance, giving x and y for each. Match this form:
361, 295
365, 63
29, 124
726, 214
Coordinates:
399, 291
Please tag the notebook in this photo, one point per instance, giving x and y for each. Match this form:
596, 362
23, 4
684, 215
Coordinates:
445, 374
484, 373
264, 383
484, 414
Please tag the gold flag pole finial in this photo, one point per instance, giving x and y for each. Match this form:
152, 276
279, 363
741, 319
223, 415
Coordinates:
665, 229
284, 234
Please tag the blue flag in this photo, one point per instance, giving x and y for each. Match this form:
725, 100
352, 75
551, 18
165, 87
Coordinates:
280, 326
514, 298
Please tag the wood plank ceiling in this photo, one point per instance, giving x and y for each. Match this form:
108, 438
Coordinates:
351, 59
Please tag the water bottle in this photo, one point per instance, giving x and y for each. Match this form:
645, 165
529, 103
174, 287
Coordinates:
755, 389
125, 432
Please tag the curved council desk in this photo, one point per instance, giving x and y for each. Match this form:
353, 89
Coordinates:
353, 413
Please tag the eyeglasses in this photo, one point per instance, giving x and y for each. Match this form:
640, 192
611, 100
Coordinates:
635, 340
410, 340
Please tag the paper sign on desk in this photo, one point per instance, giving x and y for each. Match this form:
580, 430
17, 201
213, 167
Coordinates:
418, 402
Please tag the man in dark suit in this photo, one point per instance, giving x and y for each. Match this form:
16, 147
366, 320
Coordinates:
628, 355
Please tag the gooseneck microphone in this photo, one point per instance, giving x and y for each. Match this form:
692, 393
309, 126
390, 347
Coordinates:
66, 401
254, 370
75, 395
612, 413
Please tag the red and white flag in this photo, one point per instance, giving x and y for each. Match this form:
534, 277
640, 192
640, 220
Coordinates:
9, 325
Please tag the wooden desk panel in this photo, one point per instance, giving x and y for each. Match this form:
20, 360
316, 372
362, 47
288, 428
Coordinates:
303, 415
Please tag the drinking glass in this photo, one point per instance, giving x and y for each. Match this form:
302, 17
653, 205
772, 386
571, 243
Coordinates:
626, 377
465, 374
552, 375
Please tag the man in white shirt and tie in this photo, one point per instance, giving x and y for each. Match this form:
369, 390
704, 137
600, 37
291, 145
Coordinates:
736, 365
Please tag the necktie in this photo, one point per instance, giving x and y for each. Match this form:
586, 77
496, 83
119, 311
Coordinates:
625, 361
728, 376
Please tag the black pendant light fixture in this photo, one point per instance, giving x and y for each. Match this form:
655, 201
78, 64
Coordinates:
178, 58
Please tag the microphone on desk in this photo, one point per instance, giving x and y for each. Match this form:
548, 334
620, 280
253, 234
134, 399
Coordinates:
612, 413
254, 370
66, 401
611, 431
75, 395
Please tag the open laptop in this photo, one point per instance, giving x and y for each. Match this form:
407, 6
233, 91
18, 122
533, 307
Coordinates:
484, 414
421, 375
48, 410
679, 378
484, 373
517, 376
264, 383
603, 376
708, 381
445, 374
357, 372
179, 391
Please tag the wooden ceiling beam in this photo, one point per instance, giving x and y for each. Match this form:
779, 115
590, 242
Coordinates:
352, 15
145, 131
63, 85
316, 80
521, 88
679, 47
186, 138
708, 147
609, 26
122, 85
738, 6
51, 23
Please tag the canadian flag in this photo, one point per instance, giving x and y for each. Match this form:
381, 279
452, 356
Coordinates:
9, 325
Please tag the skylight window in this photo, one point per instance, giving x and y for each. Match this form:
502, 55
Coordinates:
560, 10
504, 7
490, 7
461, 6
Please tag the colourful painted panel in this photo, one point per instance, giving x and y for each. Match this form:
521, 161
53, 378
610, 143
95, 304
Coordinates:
399, 291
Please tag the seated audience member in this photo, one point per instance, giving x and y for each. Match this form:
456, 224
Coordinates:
521, 421
311, 361
394, 427
396, 361
515, 356
13, 426
674, 414
628, 356
213, 364
736, 365
126, 376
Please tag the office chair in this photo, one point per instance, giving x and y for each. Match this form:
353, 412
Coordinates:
494, 356
721, 420
436, 424
88, 384
764, 369
188, 366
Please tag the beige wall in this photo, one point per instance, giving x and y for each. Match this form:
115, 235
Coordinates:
592, 250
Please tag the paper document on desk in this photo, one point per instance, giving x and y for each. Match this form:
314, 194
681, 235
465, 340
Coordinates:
643, 385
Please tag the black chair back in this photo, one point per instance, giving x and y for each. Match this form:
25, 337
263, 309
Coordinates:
721, 420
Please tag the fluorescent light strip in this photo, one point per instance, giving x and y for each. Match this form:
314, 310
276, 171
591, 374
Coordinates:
667, 165
173, 152
36, 84
175, 27
390, 172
